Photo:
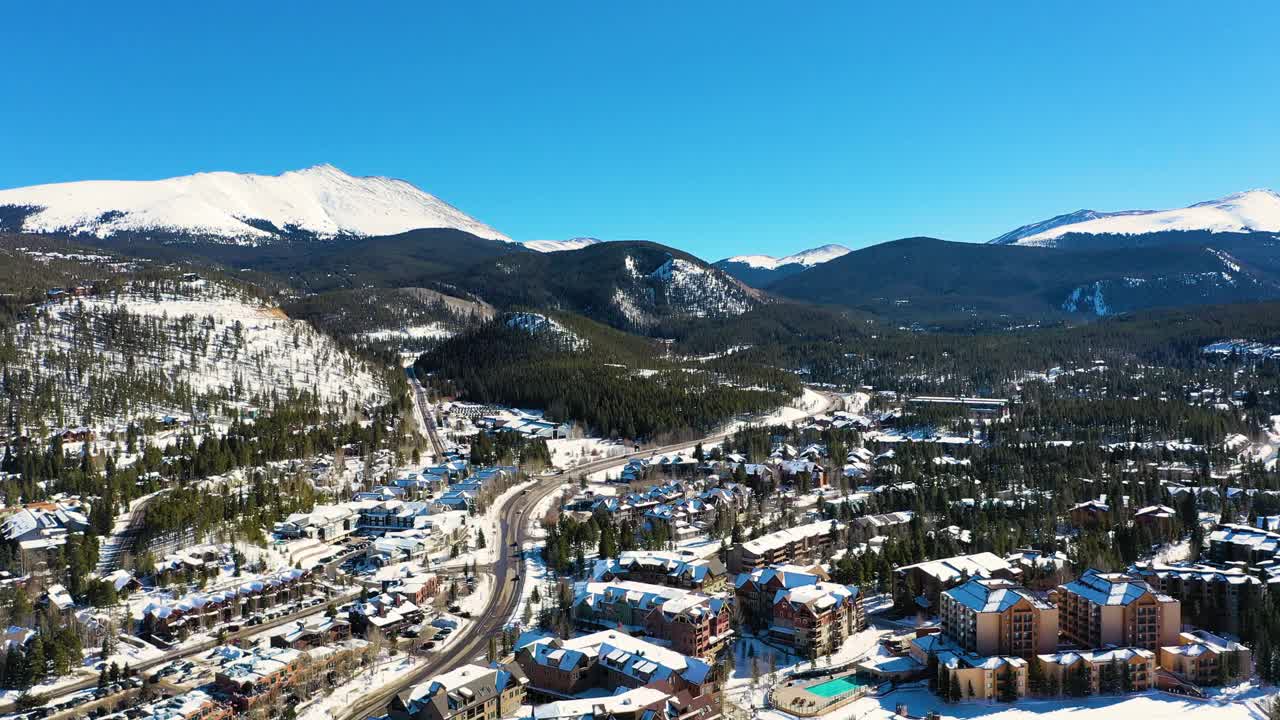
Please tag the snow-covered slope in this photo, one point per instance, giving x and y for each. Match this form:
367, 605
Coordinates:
156, 350
539, 324
807, 258
243, 208
700, 291
547, 246
1250, 211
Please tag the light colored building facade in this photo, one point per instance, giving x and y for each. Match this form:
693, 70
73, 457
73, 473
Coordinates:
1203, 658
1058, 668
471, 692
798, 545
1101, 609
992, 616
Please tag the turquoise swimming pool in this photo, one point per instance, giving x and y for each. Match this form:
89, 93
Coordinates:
839, 686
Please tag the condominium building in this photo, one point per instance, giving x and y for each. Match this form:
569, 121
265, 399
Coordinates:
975, 675
682, 568
1101, 609
642, 703
1058, 668
923, 582
816, 619
191, 705
471, 692
694, 624
1242, 543
1212, 597
800, 608
1203, 658
998, 617
610, 661
803, 544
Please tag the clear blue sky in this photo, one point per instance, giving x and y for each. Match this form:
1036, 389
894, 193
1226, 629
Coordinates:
718, 128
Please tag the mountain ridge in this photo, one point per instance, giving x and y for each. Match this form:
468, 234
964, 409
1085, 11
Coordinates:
1256, 210
318, 202
762, 271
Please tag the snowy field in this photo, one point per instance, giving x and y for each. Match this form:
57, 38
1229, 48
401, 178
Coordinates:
566, 453
809, 403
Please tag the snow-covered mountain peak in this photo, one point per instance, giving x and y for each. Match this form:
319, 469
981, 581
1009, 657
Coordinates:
546, 246
320, 201
816, 256
807, 258
1249, 211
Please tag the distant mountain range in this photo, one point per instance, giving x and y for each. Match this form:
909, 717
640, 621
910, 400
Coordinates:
320, 230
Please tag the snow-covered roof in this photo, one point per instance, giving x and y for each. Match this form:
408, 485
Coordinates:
945, 570
781, 538
1108, 588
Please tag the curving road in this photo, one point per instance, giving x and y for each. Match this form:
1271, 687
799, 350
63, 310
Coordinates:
473, 641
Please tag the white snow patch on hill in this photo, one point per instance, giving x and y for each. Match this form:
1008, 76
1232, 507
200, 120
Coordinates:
807, 258
538, 324
430, 331
321, 200
546, 246
1252, 210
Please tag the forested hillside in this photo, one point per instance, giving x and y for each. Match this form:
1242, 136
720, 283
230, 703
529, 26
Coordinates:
617, 384
157, 347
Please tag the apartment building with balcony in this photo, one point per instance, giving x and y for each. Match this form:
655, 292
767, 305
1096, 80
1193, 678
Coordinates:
681, 568
694, 624
1114, 609
1213, 597
792, 546
1243, 543
992, 616
471, 692
800, 608
923, 582
1059, 667
1203, 658
612, 661
977, 676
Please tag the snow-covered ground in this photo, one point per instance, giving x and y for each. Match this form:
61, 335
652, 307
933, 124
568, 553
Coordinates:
430, 331
567, 453
386, 670
1245, 705
810, 402
232, 351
